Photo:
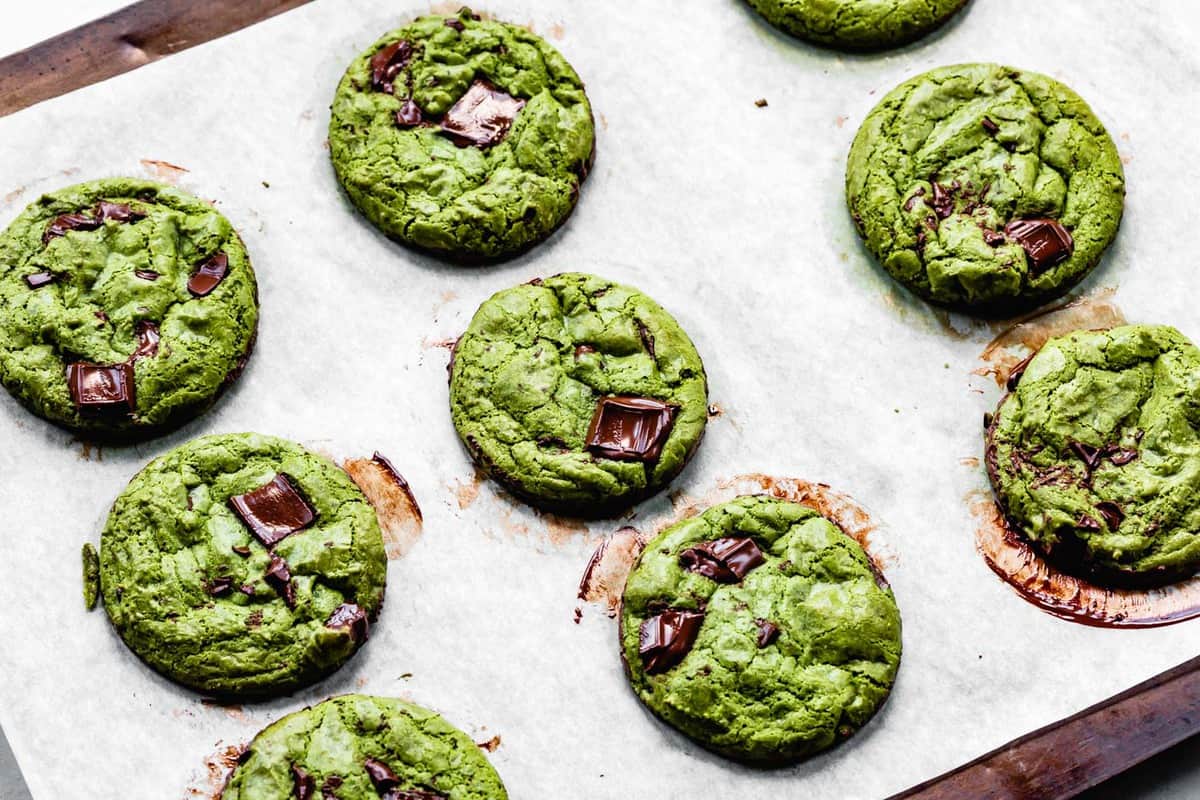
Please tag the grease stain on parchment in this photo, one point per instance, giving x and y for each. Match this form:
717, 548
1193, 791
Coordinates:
1066, 596
838, 507
164, 171
1016, 342
399, 515
217, 767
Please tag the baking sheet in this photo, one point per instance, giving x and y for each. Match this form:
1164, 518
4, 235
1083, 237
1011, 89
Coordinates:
728, 214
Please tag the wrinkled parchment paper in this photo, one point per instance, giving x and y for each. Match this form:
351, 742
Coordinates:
730, 215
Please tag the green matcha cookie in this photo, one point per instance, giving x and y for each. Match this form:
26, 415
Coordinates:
578, 394
858, 24
985, 188
356, 747
126, 307
760, 630
464, 137
1095, 454
242, 565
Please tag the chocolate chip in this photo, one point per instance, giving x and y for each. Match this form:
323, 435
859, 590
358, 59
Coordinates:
482, 117
1014, 376
208, 275
761, 102
273, 511
994, 238
1046, 242
583, 350
387, 63
303, 784
664, 640
1112, 514
767, 632
413, 794
456, 23
941, 201
247, 589
352, 618
725, 560
117, 212
100, 387
69, 222
147, 333
39, 279
242, 550
989, 126
146, 274
1086, 523
409, 115
219, 587
382, 777
630, 428
279, 577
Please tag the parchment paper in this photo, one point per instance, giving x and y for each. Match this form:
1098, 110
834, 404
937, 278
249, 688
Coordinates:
732, 217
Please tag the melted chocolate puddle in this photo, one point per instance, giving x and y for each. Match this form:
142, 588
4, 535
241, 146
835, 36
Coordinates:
603, 580
399, 515
1027, 335
1066, 596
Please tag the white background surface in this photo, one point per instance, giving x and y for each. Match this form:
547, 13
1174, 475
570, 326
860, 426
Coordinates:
732, 217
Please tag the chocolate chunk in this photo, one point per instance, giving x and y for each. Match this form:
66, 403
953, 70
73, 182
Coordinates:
387, 63
242, 550
146, 274
303, 784
413, 794
767, 632
351, 617
247, 589
273, 511
101, 387
630, 428
381, 775
147, 333
664, 640
942, 201
1121, 457
1087, 523
646, 336
69, 222
208, 275
279, 577
409, 115
583, 350
912, 200
761, 102
482, 116
117, 212
100, 315
989, 126
1014, 376
1090, 455
219, 587
725, 560
455, 23
39, 279
330, 786
1112, 514
1046, 242
994, 238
